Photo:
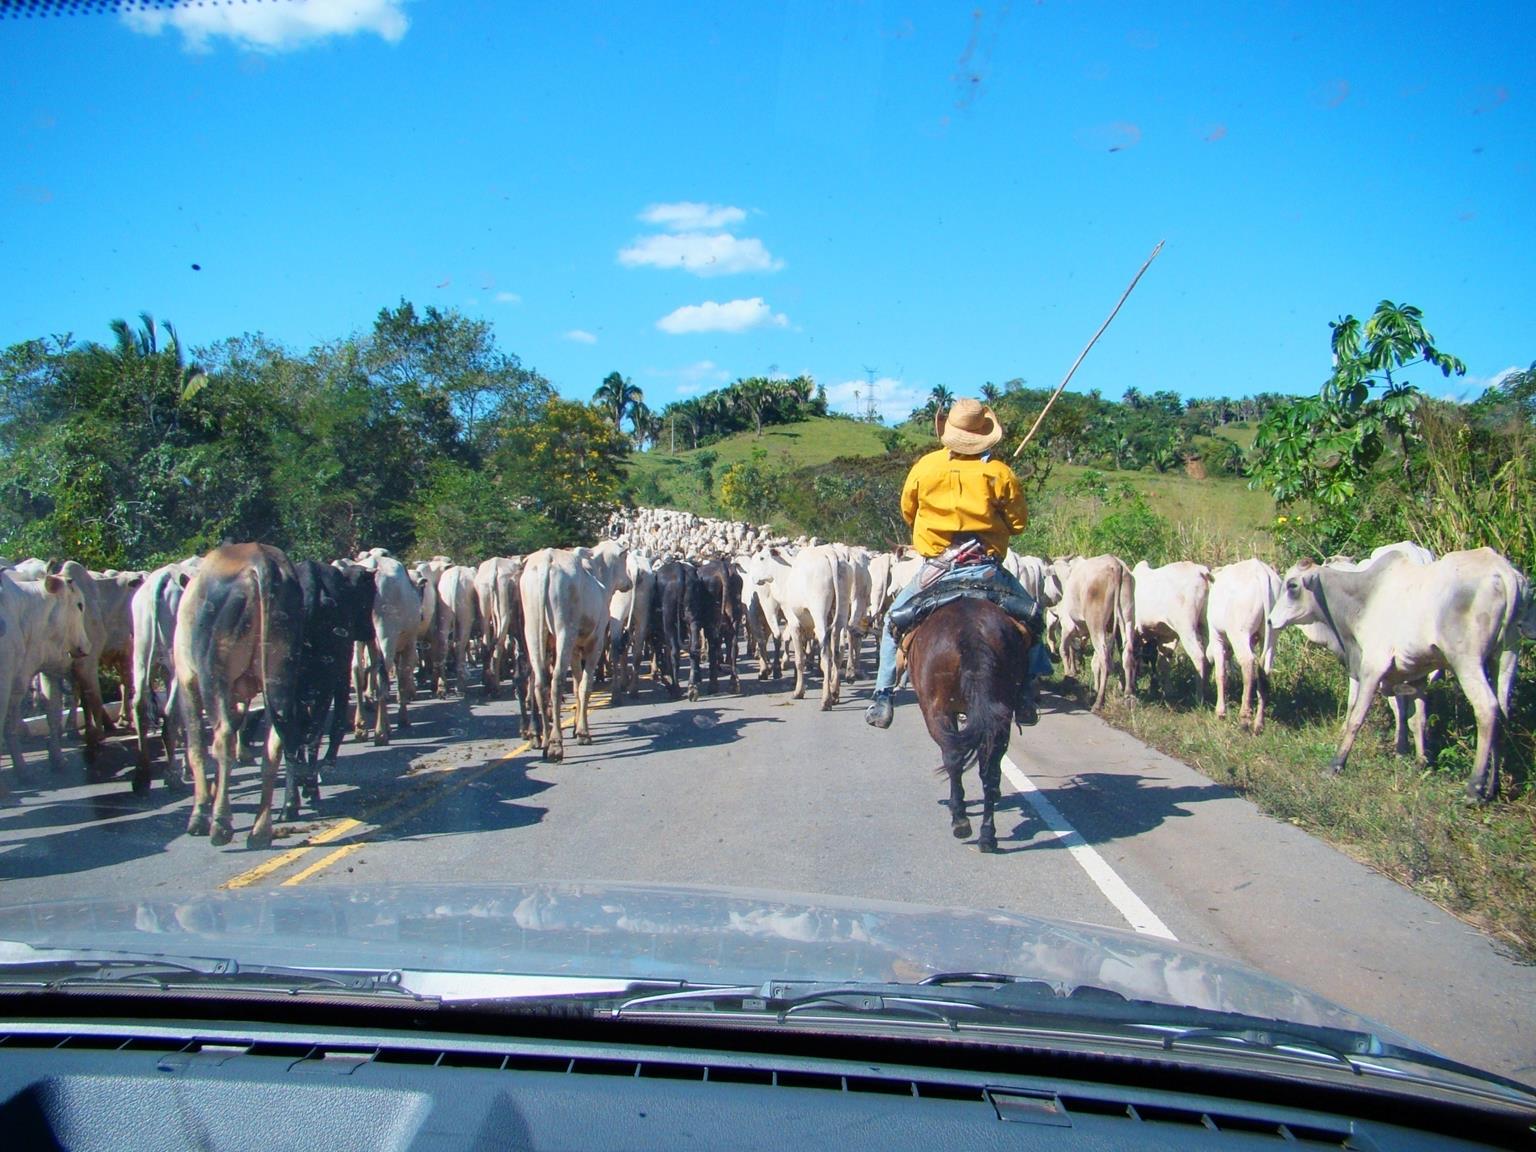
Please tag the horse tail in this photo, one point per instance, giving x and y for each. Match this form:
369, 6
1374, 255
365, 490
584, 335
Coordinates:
986, 723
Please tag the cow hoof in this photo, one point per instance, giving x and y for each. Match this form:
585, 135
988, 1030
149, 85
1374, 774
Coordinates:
826, 703
259, 840
583, 738
693, 694
382, 740
197, 825
289, 813
961, 829
221, 833
1335, 767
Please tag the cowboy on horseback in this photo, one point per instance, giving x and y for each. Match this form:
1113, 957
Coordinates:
963, 506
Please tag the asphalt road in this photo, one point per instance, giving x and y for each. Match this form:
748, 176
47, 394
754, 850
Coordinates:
761, 791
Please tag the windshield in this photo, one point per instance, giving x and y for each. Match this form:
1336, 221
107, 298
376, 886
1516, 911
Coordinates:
461, 468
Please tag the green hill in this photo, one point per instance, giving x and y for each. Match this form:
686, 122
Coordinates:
816, 462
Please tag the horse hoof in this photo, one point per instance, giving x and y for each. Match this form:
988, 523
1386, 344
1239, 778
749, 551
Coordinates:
140, 781
221, 834
198, 824
961, 829
693, 694
381, 740
987, 844
289, 813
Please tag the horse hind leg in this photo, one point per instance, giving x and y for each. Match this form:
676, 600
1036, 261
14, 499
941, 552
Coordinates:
959, 822
990, 767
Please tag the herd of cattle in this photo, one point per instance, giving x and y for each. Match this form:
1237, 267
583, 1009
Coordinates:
674, 589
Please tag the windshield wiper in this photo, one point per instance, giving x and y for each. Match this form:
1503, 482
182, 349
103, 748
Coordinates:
100, 969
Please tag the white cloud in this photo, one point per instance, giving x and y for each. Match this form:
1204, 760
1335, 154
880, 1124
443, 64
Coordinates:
508, 298
894, 399
732, 316
278, 27
580, 336
1467, 388
690, 216
702, 253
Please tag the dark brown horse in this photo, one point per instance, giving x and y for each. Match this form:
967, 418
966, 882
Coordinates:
967, 661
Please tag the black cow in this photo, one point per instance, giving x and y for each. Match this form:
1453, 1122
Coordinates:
338, 612
717, 617
239, 630
674, 608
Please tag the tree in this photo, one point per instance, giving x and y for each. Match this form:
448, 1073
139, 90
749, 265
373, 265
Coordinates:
940, 399
991, 393
616, 397
753, 395
1323, 450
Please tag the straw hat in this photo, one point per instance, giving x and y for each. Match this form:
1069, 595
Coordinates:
970, 429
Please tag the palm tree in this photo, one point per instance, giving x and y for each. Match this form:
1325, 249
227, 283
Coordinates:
754, 395
940, 399
137, 353
991, 393
615, 396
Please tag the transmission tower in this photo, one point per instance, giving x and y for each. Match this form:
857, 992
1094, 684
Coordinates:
870, 408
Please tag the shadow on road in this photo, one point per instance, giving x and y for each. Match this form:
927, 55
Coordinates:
684, 726
1114, 806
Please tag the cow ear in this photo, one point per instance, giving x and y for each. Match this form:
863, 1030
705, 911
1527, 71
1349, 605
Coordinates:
185, 578
136, 581
54, 584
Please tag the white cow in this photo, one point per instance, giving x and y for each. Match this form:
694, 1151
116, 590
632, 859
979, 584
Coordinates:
455, 622
1170, 609
629, 626
397, 623
501, 616
857, 616
1397, 622
1415, 696
813, 595
153, 611
761, 587
1098, 599
1237, 615
44, 629
565, 596
1038, 576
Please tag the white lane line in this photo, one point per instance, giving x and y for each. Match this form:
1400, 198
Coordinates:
1115, 890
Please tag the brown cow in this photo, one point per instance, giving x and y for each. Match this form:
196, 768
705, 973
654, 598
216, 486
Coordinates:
238, 632
1099, 598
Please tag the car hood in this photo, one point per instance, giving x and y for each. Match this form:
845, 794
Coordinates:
618, 932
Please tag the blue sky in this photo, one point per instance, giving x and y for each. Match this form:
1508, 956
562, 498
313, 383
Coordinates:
929, 194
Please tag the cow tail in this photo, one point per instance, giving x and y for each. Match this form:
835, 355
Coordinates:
266, 611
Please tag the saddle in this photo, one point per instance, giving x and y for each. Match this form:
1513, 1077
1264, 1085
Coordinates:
947, 589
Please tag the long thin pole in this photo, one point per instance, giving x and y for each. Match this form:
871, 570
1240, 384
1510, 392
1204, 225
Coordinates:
1060, 388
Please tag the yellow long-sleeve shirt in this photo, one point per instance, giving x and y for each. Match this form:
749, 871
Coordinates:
947, 496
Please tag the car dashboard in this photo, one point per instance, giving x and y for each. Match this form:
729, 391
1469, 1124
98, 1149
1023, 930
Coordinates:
121, 1084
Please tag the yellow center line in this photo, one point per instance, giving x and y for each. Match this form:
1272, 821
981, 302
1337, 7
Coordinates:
323, 863
437, 797
347, 825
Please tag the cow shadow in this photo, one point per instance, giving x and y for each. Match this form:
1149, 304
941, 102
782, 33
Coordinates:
683, 727
483, 795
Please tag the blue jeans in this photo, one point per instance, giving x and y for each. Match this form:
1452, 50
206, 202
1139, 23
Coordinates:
885, 677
